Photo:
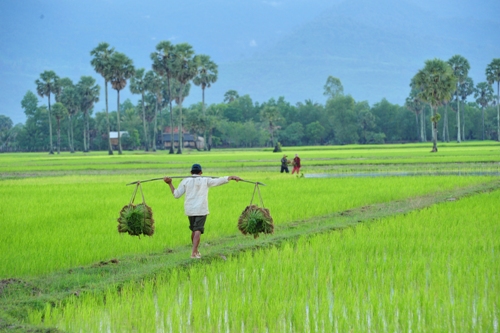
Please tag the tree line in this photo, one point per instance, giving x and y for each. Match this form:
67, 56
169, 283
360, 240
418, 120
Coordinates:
440, 88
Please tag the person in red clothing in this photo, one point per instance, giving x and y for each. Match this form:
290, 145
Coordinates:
296, 164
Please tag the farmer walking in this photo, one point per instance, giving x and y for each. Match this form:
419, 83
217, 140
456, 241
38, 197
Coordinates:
196, 201
296, 164
284, 164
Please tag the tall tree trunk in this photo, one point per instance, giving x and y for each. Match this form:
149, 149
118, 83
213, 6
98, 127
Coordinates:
205, 145
85, 132
482, 119
171, 117
458, 117
118, 122
70, 142
88, 131
58, 136
422, 125
498, 111
146, 135
463, 125
179, 149
434, 131
416, 121
155, 130
50, 129
446, 135
110, 146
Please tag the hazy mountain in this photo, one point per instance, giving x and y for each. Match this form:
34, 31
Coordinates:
263, 48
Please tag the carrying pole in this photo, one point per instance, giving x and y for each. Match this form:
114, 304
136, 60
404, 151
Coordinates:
154, 179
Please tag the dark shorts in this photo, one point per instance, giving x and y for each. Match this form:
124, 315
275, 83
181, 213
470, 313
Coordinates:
197, 223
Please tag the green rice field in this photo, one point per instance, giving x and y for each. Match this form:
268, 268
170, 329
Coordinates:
350, 254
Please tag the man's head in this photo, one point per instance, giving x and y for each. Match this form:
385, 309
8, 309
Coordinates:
284, 155
196, 169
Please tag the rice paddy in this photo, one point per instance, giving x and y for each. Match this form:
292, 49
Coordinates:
431, 269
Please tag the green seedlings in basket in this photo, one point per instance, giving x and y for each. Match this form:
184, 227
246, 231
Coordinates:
255, 220
136, 220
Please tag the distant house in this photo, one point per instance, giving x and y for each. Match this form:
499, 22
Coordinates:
113, 136
188, 140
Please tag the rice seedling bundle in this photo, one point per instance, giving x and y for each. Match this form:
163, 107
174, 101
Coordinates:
136, 220
255, 220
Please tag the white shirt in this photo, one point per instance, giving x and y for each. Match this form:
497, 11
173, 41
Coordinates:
196, 189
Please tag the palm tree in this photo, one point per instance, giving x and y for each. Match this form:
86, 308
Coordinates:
436, 82
465, 90
88, 91
483, 93
207, 74
184, 70
102, 54
230, 96
333, 87
492, 76
121, 68
71, 100
163, 64
138, 86
46, 85
59, 112
460, 67
153, 83
415, 105
271, 115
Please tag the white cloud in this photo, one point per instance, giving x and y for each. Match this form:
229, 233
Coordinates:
253, 43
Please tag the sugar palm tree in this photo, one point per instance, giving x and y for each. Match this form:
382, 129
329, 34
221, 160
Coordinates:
59, 111
153, 83
460, 67
100, 62
230, 96
88, 92
184, 70
138, 86
483, 93
465, 90
492, 76
207, 74
121, 68
46, 85
271, 115
415, 105
71, 100
163, 64
436, 82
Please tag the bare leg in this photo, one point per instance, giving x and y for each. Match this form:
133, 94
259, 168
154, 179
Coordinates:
195, 239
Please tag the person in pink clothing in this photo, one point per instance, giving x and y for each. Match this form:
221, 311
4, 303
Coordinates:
196, 201
296, 164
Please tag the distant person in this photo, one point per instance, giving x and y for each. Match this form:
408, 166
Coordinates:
284, 164
196, 201
296, 164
